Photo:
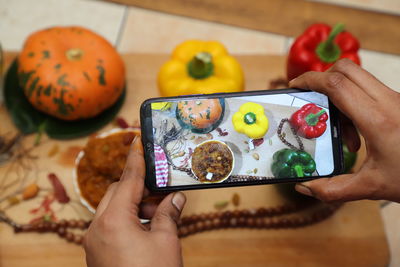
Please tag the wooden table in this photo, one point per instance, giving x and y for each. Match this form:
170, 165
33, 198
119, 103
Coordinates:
354, 236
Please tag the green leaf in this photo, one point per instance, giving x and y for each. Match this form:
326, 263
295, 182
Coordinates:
28, 120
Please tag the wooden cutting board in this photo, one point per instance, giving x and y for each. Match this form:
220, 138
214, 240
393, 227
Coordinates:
354, 236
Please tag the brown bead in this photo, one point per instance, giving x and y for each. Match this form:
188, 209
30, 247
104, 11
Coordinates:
273, 223
252, 212
211, 215
40, 227
53, 227
69, 236
202, 216
245, 213
258, 222
191, 229
250, 222
227, 214
61, 231
285, 222
224, 223
194, 218
183, 231
200, 226
261, 211
241, 221
216, 223
81, 224
207, 225
236, 213
233, 222
17, 228
185, 220
72, 223
63, 223
27, 228
78, 239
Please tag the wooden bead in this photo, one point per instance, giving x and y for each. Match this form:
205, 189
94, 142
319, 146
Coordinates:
224, 223
27, 228
233, 222
78, 239
191, 229
69, 236
241, 221
81, 224
207, 225
216, 223
40, 227
236, 213
61, 231
261, 211
72, 223
258, 222
62, 223
250, 222
245, 213
53, 227
183, 231
200, 226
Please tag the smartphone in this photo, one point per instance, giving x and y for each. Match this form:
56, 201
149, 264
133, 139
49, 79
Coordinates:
238, 139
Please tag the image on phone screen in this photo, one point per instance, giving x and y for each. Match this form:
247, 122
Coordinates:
241, 139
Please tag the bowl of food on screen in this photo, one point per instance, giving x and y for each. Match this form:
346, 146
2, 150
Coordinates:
212, 162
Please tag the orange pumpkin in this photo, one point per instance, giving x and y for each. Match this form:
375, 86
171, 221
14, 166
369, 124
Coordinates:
202, 115
70, 72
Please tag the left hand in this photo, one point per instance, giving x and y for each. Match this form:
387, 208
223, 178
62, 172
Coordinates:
117, 238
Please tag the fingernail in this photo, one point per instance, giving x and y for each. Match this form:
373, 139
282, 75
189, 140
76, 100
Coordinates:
178, 200
304, 189
292, 80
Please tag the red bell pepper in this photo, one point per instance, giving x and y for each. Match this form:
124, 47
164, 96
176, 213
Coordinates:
309, 121
319, 47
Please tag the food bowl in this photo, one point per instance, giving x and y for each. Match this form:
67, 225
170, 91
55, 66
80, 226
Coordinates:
212, 161
80, 169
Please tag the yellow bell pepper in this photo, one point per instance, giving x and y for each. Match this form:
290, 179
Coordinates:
251, 120
200, 67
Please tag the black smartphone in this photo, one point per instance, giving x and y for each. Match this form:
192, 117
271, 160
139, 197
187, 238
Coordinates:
237, 139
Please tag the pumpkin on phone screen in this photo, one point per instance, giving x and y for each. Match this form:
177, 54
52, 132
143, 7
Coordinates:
201, 115
70, 72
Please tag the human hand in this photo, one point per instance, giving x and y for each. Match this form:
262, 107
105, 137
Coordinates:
117, 238
374, 110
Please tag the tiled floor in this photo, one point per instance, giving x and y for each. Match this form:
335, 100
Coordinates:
135, 30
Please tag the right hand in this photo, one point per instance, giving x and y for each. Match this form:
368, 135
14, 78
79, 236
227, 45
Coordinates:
375, 110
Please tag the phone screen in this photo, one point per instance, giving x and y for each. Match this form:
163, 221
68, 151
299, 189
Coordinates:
239, 139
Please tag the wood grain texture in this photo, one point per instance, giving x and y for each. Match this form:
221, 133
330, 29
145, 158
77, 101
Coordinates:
354, 236
376, 31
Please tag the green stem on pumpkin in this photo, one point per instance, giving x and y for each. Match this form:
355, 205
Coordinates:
201, 66
327, 50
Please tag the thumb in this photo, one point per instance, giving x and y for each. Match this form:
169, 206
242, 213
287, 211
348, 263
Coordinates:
168, 212
340, 188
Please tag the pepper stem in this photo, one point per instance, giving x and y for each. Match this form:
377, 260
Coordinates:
327, 50
312, 119
201, 66
74, 54
299, 170
250, 118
